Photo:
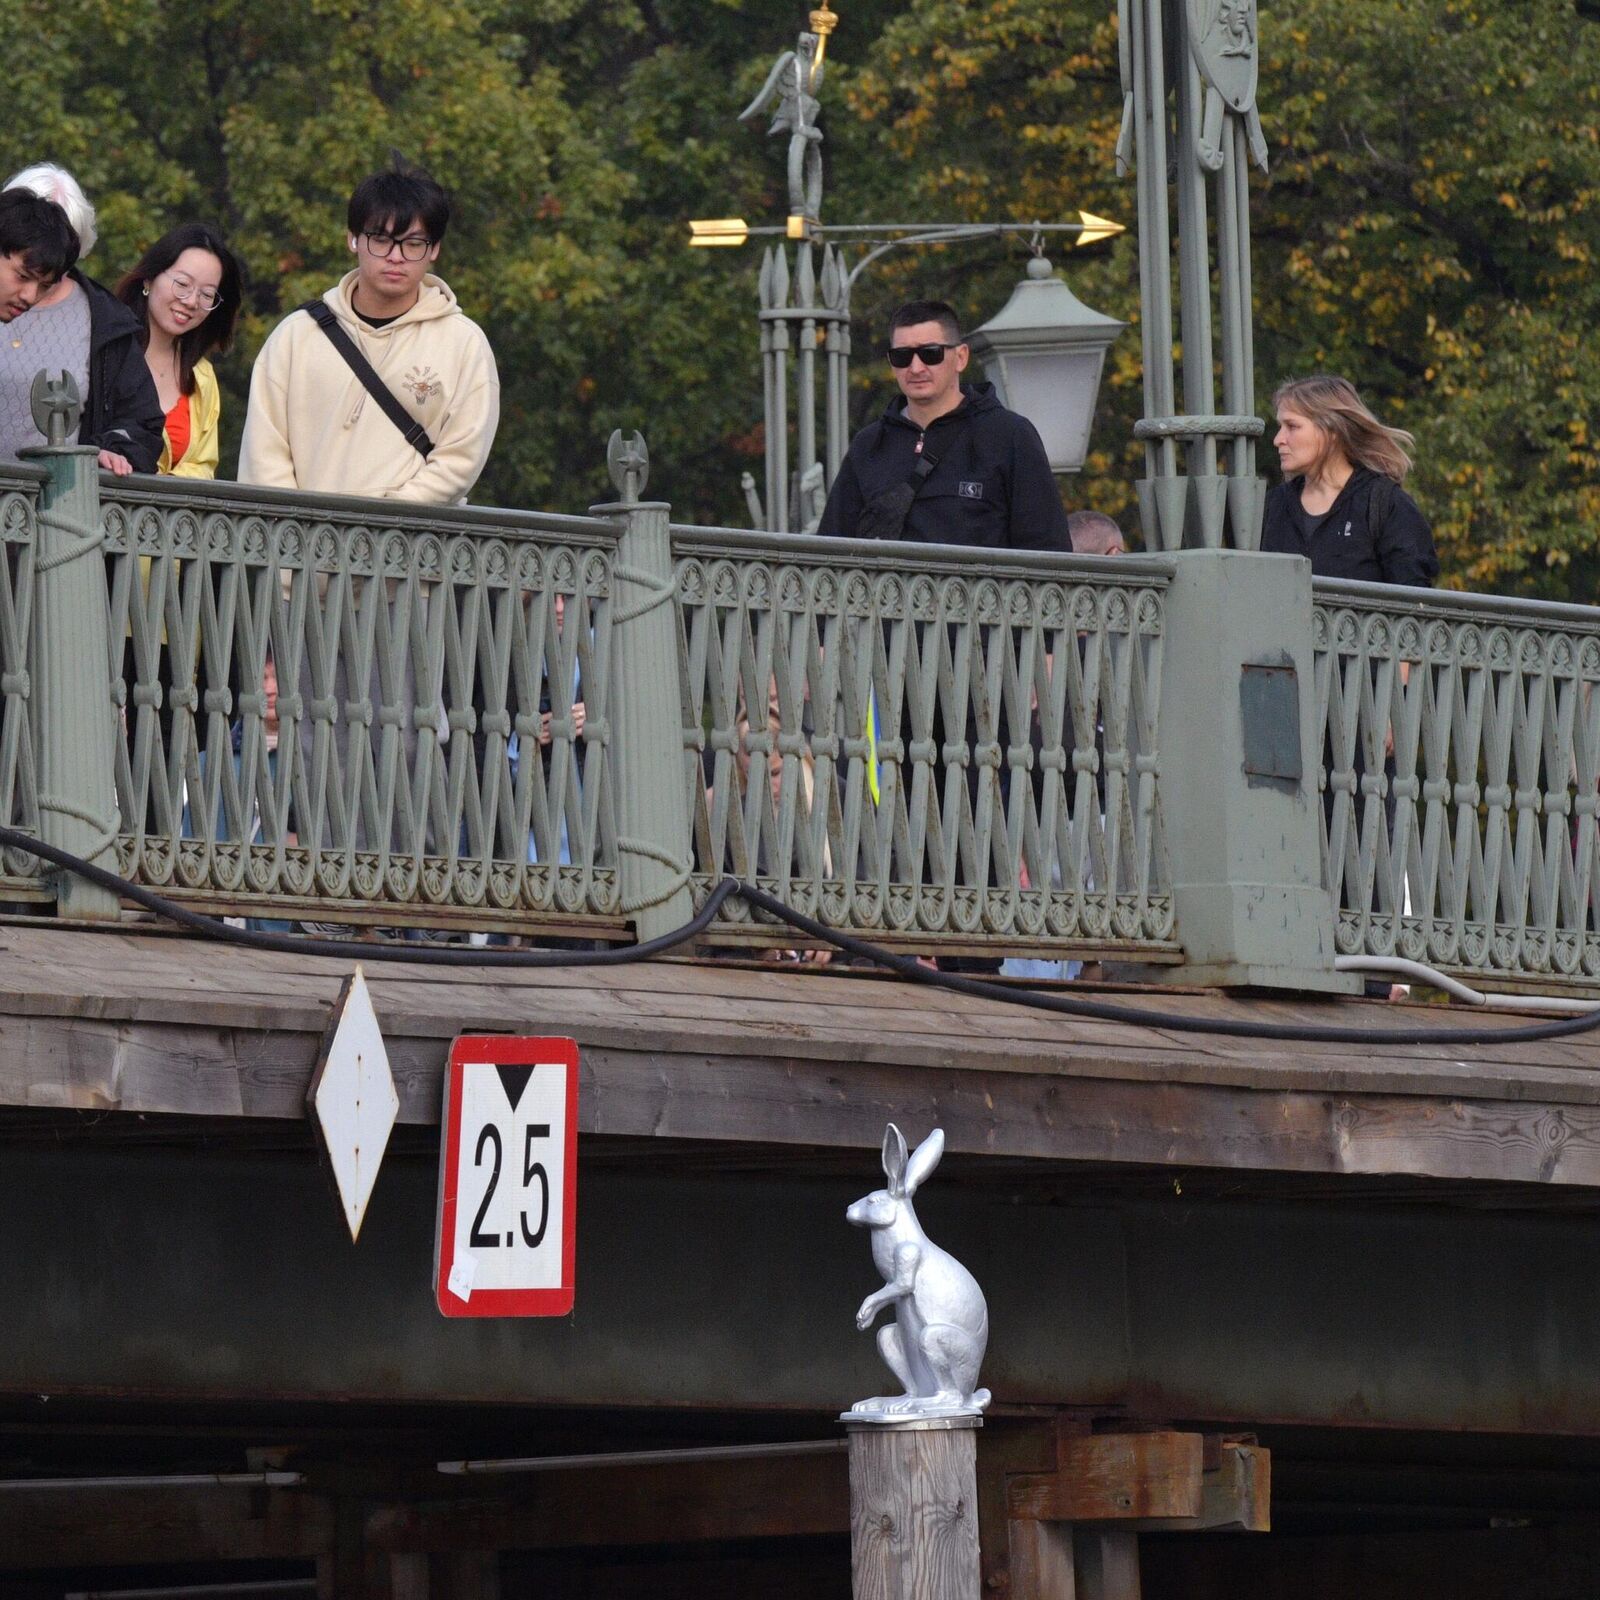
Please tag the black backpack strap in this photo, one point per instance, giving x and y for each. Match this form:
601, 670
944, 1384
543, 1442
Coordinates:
1380, 503
415, 434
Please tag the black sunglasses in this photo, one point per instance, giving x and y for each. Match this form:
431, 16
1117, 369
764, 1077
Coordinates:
930, 355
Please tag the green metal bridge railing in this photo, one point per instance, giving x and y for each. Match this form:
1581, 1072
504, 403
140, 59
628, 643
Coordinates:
1461, 780
927, 747
572, 726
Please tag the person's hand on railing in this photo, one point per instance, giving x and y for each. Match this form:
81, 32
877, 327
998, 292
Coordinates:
579, 717
814, 958
110, 461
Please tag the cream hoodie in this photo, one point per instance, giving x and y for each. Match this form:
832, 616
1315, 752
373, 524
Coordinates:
312, 425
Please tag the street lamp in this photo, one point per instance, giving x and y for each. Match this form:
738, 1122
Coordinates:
1044, 353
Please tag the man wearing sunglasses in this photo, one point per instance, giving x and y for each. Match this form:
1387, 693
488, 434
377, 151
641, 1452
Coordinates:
384, 387
946, 463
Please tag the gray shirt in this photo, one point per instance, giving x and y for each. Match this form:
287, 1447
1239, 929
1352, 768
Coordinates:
50, 338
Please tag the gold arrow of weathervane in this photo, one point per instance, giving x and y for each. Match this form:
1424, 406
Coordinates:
1096, 228
718, 232
723, 232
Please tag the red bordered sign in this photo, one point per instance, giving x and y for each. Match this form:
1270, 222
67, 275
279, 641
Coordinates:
508, 1178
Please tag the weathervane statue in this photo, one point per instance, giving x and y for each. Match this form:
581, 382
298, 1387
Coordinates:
804, 312
795, 82
1217, 129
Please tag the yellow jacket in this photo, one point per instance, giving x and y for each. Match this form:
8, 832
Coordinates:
205, 412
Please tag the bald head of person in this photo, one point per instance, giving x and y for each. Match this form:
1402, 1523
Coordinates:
1095, 534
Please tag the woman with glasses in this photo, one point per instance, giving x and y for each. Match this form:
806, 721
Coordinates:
185, 293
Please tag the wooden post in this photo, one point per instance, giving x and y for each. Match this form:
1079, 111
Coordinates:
1107, 1564
914, 1510
1041, 1565
466, 1575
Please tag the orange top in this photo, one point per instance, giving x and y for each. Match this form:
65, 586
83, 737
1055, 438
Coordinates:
178, 429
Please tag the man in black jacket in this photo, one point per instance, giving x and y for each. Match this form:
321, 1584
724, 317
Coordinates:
946, 463
84, 329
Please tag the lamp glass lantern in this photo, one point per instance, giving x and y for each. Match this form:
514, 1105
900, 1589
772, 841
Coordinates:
1044, 353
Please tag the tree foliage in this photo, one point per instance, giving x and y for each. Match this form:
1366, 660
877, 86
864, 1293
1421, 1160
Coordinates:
1429, 226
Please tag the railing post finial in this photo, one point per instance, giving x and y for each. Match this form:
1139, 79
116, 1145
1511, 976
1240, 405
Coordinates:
628, 461
56, 406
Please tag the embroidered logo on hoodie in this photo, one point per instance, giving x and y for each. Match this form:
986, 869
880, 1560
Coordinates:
422, 383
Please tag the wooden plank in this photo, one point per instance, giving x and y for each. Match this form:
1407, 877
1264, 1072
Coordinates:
882, 1018
913, 1513
684, 1051
102, 1066
1109, 1477
651, 1504
882, 1021
44, 1528
1235, 1497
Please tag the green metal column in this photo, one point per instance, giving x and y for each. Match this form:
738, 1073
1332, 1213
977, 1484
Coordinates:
652, 801
75, 722
1238, 724
1189, 86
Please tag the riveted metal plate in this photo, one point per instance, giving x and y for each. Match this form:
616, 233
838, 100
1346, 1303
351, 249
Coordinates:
1269, 713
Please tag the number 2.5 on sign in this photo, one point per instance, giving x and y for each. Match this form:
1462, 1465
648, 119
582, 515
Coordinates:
507, 1178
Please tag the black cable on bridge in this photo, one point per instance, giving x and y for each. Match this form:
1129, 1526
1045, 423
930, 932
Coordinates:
907, 967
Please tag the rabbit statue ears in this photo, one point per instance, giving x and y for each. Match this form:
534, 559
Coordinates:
907, 1175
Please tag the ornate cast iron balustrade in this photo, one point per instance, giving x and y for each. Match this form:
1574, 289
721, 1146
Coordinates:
334, 708
19, 795
925, 745
1461, 780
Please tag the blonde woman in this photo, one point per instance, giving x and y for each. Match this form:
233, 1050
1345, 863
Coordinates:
1341, 502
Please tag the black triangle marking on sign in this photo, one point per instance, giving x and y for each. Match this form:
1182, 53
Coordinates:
514, 1080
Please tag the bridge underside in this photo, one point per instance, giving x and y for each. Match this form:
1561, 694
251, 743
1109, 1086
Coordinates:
1381, 1268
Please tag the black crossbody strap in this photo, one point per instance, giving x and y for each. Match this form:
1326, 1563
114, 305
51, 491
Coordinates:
415, 434
923, 470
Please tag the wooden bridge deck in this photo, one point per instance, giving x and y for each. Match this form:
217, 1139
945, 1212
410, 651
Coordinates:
717, 1051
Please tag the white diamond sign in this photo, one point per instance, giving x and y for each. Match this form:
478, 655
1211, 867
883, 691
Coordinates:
353, 1095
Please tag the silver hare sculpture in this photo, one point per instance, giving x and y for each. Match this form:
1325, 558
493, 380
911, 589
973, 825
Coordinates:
935, 1344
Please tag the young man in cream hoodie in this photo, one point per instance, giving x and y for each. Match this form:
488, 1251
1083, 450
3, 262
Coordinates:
312, 424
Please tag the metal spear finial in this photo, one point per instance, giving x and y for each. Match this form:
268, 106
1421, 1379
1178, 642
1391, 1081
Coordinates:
56, 406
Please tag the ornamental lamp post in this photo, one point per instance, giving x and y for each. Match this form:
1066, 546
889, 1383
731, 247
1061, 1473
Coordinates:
1044, 353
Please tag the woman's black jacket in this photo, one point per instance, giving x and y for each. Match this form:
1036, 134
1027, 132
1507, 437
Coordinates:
1373, 531
121, 411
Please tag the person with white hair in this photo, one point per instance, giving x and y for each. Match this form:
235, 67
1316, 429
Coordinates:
82, 328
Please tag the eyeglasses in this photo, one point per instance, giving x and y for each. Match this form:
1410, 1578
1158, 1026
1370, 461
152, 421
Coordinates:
412, 248
930, 355
191, 293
